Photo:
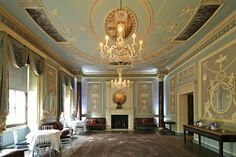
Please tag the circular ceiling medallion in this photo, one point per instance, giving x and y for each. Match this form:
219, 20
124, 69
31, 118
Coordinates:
118, 16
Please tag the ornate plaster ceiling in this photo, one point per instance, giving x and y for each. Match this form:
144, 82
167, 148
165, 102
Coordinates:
75, 28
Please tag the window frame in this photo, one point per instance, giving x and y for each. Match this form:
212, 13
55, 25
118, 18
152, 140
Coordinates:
26, 110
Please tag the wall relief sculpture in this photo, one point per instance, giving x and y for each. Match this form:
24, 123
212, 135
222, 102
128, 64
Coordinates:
144, 98
50, 92
186, 74
95, 95
218, 86
172, 98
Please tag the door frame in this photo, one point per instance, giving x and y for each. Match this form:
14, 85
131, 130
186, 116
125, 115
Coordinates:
182, 117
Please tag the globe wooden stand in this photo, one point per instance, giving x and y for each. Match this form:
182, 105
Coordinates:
119, 106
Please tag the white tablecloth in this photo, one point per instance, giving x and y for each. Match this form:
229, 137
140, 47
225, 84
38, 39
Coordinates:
77, 123
54, 136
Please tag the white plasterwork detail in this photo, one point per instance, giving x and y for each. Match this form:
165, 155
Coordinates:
221, 88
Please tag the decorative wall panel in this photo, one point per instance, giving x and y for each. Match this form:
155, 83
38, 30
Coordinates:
186, 74
110, 103
144, 98
50, 92
218, 85
95, 97
172, 105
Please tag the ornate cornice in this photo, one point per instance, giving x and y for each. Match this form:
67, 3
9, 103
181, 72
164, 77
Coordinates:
223, 28
12, 23
161, 74
114, 75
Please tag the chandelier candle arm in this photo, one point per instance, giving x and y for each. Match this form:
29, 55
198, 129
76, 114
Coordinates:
140, 45
134, 36
120, 84
107, 38
121, 54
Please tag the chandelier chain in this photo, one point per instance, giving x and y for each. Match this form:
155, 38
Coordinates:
120, 55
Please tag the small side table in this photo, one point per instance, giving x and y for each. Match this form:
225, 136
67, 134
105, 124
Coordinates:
166, 130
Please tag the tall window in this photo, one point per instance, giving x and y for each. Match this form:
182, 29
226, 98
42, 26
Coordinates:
68, 102
17, 108
67, 107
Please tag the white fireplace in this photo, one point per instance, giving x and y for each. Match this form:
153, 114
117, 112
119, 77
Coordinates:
129, 112
127, 107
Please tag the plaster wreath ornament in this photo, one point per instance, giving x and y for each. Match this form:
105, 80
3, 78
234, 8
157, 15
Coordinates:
221, 88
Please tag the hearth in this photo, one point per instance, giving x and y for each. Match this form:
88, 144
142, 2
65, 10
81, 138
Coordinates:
119, 121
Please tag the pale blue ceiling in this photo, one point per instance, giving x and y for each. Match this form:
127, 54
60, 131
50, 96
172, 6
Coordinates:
81, 23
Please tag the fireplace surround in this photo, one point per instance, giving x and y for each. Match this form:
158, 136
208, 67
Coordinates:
127, 112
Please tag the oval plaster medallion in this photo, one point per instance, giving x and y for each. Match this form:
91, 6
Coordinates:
117, 16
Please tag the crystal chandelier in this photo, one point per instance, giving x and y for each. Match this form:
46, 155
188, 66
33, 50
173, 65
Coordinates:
121, 55
120, 84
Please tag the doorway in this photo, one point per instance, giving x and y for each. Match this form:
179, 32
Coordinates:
185, 106
190, 108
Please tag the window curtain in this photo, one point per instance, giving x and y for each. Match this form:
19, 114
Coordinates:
33, 101
65, 80
79, 100
18, 53
72, 95
13, 51
61, 83
21, 56
37, 63
4, 80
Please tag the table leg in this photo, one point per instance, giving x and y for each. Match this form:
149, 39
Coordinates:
199, 139
184, 137
220, 148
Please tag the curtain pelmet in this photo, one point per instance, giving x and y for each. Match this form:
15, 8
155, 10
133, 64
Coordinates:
37, 63
18, 53
4, 80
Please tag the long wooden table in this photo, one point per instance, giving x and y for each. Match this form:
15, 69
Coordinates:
218, 135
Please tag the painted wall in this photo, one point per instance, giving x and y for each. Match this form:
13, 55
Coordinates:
212, 73
144, 96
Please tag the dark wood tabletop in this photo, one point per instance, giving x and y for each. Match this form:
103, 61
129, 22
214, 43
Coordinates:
219, 135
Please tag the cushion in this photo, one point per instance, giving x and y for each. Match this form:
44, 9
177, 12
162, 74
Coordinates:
93, 121
22, 143
65, 132
56, 125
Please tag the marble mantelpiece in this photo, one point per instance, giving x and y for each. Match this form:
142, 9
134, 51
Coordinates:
129, 112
